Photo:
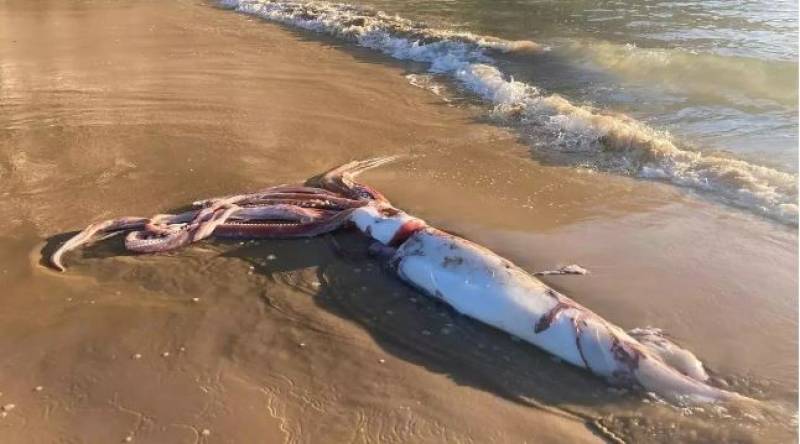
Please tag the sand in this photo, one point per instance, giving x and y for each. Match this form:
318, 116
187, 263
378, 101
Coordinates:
138, 108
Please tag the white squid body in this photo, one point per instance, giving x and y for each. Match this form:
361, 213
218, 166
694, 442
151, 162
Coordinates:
482, 285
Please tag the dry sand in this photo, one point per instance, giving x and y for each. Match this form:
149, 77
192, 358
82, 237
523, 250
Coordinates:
134, 108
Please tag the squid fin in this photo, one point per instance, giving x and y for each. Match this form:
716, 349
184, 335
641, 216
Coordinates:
677, 357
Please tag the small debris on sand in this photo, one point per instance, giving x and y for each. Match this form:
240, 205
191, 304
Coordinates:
38, 388
567, 269
205, 432
8, 407
382, 361
302, 344
165, 354
128, 438
137, 356
271, 257
573, 269
195, 300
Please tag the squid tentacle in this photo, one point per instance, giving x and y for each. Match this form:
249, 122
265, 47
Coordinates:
301, 212
88, 234
296, 189
342, 179
284, 230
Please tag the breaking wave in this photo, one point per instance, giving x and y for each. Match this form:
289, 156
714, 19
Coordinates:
613, 142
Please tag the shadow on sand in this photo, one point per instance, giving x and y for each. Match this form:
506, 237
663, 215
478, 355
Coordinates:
408, 325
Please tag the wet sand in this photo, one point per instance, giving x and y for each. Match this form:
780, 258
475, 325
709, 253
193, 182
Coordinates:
133, 109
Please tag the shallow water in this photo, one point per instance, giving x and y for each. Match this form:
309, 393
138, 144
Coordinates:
138, 108
721, 75
563, 125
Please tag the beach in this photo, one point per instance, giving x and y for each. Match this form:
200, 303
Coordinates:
110, 109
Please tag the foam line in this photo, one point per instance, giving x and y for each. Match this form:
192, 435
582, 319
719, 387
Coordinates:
636, 148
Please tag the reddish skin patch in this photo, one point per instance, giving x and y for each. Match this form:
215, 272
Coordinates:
629, 359
548, 318
625, 354
405, 231
578, 324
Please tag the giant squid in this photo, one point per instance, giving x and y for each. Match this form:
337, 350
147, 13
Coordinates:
471, 279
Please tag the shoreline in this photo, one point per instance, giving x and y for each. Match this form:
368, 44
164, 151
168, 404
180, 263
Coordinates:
187, 101
608, 141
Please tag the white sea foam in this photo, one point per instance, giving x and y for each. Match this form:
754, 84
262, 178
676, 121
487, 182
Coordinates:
428, 83
632, 146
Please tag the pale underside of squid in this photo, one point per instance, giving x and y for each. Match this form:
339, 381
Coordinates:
472, 279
